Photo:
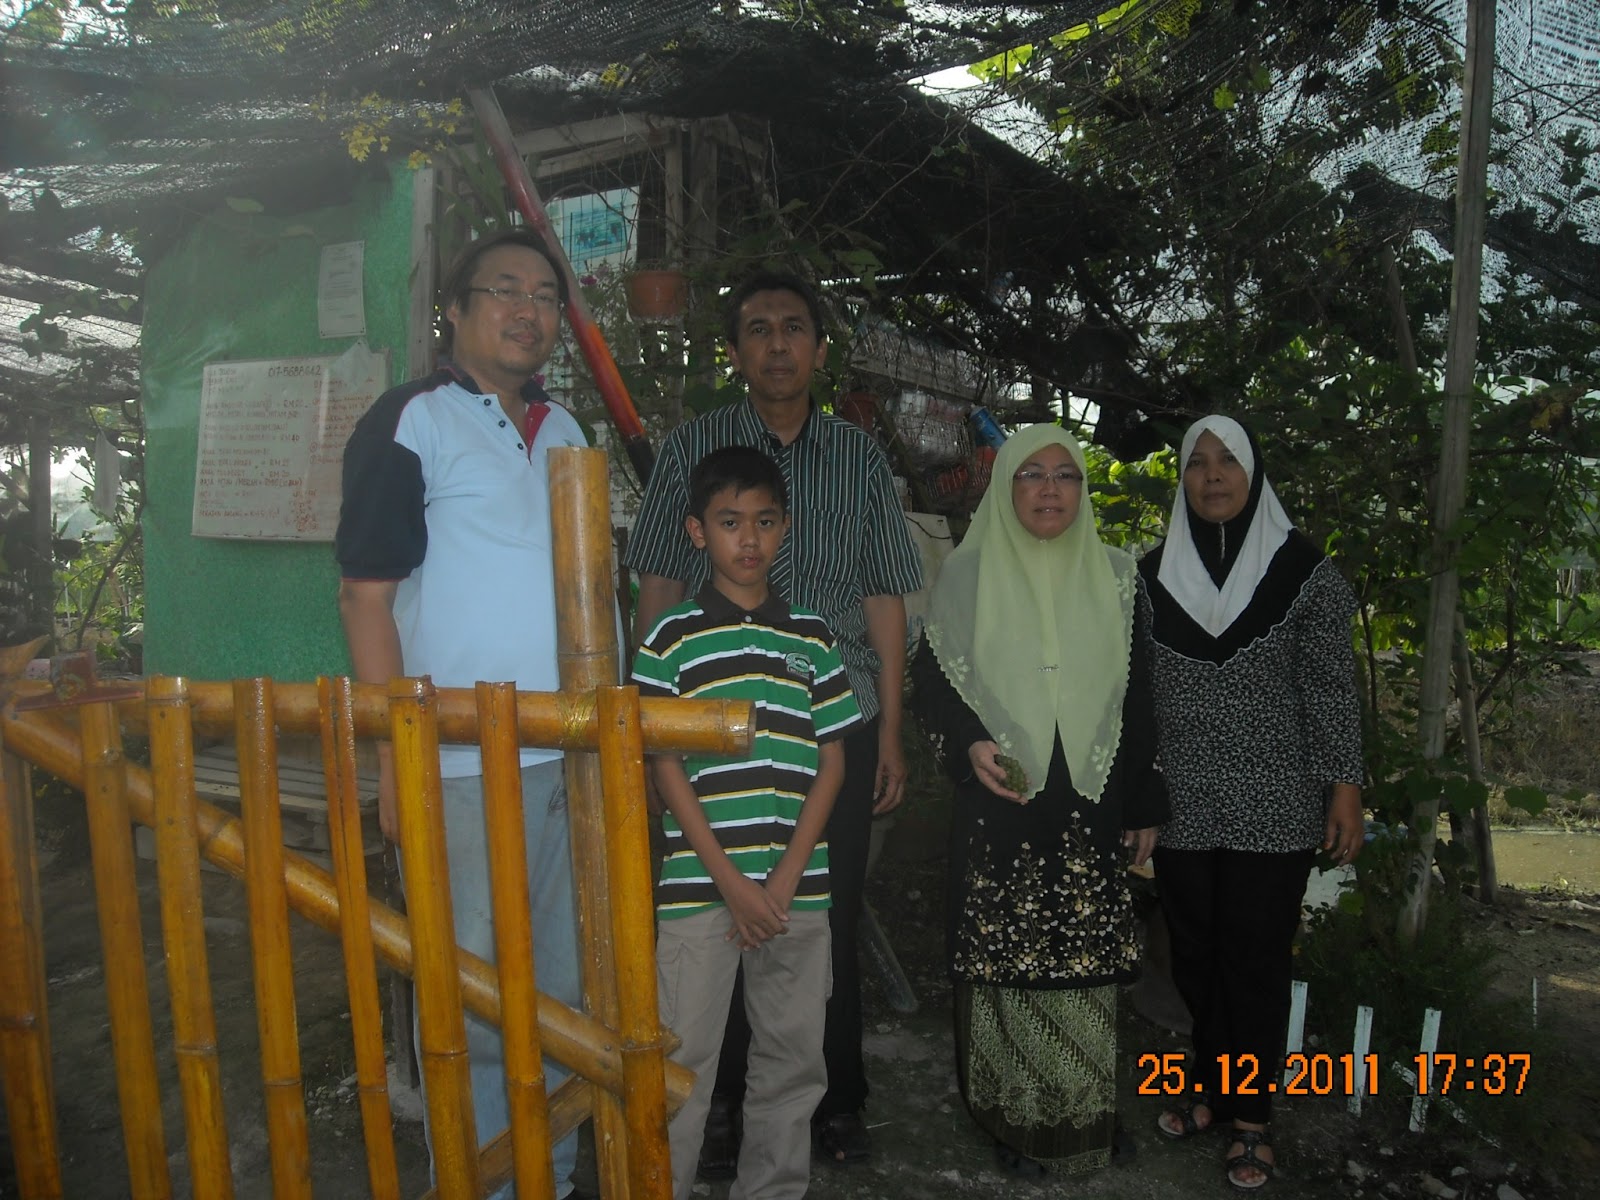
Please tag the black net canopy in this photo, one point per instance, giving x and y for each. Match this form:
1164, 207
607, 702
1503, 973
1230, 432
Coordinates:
1113, 171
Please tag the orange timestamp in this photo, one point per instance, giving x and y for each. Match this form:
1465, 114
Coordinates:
1336, 1074
1241, 1075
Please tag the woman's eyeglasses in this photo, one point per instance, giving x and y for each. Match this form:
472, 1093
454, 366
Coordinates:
1061, 477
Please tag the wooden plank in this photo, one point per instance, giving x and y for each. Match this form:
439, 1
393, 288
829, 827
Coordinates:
301, 788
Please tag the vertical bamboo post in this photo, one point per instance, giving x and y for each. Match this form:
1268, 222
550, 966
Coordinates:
24, 1027
1450, 490
335, 705
194, 1024
633, 932
127, 988
580, 516
271, 954
527, 1106
414, 730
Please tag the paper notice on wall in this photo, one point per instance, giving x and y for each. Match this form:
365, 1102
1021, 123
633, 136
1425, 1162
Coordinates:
341, 309
272, 437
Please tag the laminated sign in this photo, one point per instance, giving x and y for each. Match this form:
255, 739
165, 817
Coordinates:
272, 435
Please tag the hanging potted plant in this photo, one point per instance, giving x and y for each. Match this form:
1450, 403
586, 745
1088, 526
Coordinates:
657, 293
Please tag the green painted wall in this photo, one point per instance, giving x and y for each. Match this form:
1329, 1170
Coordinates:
244, 286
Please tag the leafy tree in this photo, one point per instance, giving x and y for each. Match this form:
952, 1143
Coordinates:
1243, 275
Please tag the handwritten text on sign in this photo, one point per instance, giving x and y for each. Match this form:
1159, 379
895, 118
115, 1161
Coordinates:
272, 435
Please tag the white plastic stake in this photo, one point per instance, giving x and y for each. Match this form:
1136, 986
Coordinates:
1359, 1045
1430, 1043
1536, 1002
1297, 1025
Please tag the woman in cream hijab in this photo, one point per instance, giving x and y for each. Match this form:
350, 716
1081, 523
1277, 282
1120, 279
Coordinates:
1031, 687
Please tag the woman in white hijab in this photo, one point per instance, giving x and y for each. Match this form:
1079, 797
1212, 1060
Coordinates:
1029, 657
1260, 730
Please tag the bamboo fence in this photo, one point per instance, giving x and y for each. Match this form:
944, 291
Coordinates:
615, 1048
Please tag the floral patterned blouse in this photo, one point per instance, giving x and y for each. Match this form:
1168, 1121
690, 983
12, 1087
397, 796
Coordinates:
1038, 893
1252, 744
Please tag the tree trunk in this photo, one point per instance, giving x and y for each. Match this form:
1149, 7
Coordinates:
1475, 830
1450, 492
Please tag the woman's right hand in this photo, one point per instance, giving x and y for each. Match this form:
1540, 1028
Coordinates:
989, 772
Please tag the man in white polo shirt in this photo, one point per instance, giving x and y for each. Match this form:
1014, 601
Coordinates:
444, 548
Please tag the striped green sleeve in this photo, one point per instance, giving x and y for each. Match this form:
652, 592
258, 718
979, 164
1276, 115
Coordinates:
834, 711
654, 671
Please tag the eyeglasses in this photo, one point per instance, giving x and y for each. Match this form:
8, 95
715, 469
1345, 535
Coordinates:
1061, 477
512, 298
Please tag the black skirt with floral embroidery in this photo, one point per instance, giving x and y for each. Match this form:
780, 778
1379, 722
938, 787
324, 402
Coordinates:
1038, 893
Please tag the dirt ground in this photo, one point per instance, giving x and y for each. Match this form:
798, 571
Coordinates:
926, 1145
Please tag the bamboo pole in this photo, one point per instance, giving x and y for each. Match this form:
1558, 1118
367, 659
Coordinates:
355, 935
194, 1025
122, 939
288, 1137
24, 1027
586, 628
553, 719
1477, 90
442, 1031
572, 1038
527, 1107
633, 932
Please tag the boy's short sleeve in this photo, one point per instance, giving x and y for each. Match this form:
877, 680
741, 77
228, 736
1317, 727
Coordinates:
654, 670
834, 711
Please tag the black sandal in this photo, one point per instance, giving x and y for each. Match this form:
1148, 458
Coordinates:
841, 1139
1186, 1112
1250, 1139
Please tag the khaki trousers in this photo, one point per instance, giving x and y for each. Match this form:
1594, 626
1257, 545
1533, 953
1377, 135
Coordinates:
786, 985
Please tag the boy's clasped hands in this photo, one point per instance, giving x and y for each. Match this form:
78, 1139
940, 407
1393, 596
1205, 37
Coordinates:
760, 911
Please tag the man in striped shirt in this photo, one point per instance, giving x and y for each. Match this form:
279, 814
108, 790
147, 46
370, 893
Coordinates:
745, 876
848, 557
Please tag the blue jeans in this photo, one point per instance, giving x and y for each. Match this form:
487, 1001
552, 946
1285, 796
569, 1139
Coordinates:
555, 933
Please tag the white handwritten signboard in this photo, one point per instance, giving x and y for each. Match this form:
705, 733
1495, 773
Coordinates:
272, 435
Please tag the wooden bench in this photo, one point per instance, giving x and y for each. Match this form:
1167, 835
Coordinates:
302, 799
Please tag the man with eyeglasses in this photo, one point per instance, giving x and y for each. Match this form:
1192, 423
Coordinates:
444, 546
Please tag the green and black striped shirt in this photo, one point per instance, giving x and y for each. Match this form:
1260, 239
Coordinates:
847, 539
784, 662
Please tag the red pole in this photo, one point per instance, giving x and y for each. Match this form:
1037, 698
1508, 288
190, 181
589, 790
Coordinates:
589, 338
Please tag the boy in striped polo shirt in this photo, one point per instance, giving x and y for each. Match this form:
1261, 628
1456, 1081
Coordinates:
746, 869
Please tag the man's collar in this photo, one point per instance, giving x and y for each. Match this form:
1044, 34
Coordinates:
807, 430
530, 391
770, 611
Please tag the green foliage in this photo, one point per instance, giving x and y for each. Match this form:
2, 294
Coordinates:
1251, 285
1131, 500
1349, 955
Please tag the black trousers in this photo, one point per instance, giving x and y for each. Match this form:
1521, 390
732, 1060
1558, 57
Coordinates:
1233, 917
849, 835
